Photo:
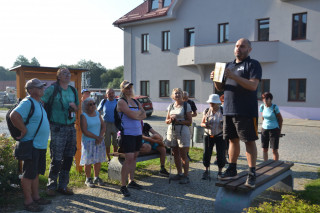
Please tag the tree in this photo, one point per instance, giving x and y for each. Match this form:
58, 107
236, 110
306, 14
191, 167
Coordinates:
6, 75
21, 60
113, 77
95, 72
35, 62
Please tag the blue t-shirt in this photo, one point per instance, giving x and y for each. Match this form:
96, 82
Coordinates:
93, 125
269, 117
41, 139
238, 100
108, 109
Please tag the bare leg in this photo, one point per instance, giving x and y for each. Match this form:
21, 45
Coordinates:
265, 154
133, 167
129, 158
251, 152
115, 148
87, 169
96, 168
27, 190
162, 151
108, 153
185, 159
275, 154
177, 159
234, 150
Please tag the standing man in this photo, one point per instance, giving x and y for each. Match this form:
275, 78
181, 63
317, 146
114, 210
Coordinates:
107, 106
241, 79
37, 165
63, 102
191, 102
85, 93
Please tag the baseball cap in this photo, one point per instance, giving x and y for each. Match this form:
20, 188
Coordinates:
33, 83
84, 90
125, 84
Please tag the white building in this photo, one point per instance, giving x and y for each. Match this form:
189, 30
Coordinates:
169, 44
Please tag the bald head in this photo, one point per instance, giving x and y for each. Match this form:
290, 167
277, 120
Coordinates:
242, 49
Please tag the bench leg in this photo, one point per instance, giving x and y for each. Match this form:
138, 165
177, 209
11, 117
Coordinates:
285, 185
229, 201
114, 168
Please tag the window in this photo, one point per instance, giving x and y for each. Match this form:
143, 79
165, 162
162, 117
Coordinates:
145, 88
165, 40
223, 36
164, 88
145, 43
297, 90
154, 4
264, 86
166, 3
263, 29
188, 85
189, 37
299, 26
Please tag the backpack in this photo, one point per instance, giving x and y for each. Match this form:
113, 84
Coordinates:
184, 108
221, 109
118, 118
14, 131
48, 106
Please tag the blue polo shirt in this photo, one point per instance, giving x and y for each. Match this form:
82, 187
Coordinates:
108, 109
269, 117
41, 139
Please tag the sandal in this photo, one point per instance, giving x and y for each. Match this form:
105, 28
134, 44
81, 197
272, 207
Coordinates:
43, 201
33, 207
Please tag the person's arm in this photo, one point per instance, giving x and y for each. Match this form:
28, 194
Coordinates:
136, 115
250, 84
194, 113
17, 121
219, 86
84, 128
103, 127
169, 118
154, 132
280, 120
203, 122
187, 121
153, 140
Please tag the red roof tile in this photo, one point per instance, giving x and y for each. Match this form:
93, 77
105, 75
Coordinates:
142, 13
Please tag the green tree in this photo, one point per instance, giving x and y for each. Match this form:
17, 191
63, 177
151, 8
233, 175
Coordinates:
95, 72
113, 77
35, 62
21, 60
6, 75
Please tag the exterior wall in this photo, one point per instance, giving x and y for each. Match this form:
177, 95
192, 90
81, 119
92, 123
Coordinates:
295, 58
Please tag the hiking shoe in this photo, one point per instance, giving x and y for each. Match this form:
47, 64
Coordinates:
219, 175
184, 180
33, 207
99, 181
205, 175
176, 177
42, 201
90, 183
251, 180
124, 191
134, 185
229, 174
65, 191
164, 172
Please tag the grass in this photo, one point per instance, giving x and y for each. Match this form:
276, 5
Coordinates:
312, 191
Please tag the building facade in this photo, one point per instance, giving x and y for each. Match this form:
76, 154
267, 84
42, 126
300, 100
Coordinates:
169, 44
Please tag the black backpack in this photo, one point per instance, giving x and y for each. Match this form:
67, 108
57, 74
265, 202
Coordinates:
48, 106
14, 131
118, 118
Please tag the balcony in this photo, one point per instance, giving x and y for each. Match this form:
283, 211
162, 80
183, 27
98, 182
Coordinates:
263, 51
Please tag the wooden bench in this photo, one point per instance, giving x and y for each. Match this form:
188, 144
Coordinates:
234, 196
115, 165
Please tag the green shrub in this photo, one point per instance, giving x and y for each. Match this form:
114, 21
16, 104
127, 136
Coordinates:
289, 204
9, 175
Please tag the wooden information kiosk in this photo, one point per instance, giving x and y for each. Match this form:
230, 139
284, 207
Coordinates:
49, 75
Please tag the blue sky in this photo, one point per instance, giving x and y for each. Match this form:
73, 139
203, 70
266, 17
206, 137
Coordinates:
62, 31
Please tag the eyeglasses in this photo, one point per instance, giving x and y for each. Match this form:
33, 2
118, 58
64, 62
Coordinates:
40, 87
66, 73
92, 104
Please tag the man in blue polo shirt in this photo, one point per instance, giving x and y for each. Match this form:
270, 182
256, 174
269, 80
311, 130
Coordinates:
107, 107
240, 110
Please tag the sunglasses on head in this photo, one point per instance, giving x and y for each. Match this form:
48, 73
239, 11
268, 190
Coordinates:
92, 104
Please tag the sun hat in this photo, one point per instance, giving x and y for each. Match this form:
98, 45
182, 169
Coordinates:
214, 98
34, 83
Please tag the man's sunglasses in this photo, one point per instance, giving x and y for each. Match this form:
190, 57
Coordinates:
92, 104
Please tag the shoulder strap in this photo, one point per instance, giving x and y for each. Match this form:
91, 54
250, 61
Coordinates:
31, 111
135, 102
74, 92
171, 107
40, 122
185, 108
206, 111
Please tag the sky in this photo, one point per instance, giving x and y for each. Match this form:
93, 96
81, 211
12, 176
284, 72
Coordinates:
62, 31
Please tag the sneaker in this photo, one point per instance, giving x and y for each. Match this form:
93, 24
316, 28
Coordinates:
176, 177
219, 175
229, 174
134, 185
99, 181
65, 191
164, 172
51, 192
90, 183
251, 180
205, 175
124, 191
184, 180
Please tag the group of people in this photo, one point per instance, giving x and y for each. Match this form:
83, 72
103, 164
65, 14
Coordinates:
235, 121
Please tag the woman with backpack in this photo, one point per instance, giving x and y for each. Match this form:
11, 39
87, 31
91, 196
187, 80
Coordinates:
179, 116
212, 121
271, 126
